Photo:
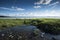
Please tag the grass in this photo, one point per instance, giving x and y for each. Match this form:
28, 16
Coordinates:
45, 24
4, 23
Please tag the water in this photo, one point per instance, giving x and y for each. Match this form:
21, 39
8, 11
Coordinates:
57, 37
18, 33
25, 33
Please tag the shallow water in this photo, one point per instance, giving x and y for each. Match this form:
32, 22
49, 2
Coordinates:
24, 33
18, 33
47, 35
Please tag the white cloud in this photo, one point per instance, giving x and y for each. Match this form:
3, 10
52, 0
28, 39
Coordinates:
51, 13
5, 8
18, 9
37, 6
43, 2
39, 2
43, 14
55, 3
47, 2
12, 8
53, 7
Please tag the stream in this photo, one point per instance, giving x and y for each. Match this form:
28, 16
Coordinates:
25, 33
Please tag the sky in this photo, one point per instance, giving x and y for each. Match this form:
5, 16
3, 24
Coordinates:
30, 7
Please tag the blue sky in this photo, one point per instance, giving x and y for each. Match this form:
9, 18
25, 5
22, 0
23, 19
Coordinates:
30, 7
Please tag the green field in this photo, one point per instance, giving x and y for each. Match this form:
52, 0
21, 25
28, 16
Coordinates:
47, 25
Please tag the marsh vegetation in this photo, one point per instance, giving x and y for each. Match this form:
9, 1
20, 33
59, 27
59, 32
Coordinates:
51, 26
